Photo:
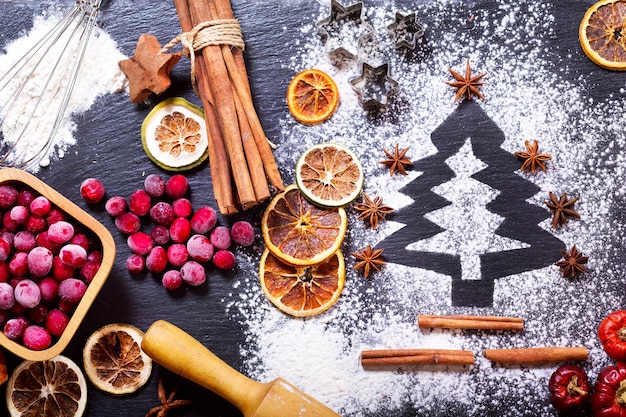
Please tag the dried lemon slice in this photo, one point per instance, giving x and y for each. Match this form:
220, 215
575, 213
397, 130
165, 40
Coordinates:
174, 135
55, 387
329, 174
602, 34
114, 361
302, 291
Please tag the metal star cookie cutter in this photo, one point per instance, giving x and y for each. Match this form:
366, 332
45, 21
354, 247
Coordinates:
406, 31
344, 32
374, 86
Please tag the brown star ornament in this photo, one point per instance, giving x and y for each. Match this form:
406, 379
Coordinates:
148, 70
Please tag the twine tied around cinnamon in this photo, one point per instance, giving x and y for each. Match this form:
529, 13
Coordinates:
211, 32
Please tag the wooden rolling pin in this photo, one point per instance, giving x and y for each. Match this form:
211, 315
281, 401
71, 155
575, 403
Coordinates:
177, 351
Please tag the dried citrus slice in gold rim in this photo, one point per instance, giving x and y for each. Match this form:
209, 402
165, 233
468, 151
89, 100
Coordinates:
46, 388
602, 34
302, 291
329, 174
312, 96
114, 361
299, 232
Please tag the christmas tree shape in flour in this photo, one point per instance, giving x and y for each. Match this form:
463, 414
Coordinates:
470, 219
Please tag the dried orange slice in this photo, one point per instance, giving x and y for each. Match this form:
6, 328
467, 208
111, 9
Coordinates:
312, 96
174, 135
299, 232
602, 34
55, 387
329, 174
302, 291
114, 361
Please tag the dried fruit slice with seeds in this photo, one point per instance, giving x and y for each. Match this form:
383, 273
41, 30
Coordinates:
602, 34
55, 387
329, 174
114, 361
299, 232
174, 135
302, 291
312, 96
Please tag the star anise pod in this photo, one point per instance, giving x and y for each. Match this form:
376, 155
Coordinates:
368, 260
573, 262
466, 85
562, 208
167, 402
532, 159
396, 161
372, 210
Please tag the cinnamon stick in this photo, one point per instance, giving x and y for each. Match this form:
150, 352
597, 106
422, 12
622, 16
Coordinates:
399, 357
537, 355
470, 322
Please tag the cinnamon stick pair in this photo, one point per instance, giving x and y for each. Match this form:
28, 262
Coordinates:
240, 156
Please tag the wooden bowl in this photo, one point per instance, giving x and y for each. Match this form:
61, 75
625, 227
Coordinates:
22, 179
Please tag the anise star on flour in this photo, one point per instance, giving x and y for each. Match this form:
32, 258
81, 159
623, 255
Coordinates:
167, 402
148, 70
372, 210
397, 161
466, 85
533, 160
368, 260
562, 208
573, 262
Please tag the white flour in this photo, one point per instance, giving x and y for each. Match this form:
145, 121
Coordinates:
587, 141
99, 74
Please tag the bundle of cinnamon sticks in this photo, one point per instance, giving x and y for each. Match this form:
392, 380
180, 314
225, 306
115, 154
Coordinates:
240, 156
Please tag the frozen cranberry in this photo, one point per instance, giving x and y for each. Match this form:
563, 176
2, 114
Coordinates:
94, 255
182, 207
80, 239
72, 290
180, 230
4, 272
36, 338
8, 236
27, 293
49, 289
193, 273
162, 213
203, 220
8, 196
156, 261
18, 265
172, 280
160, 234
40, 206
14, 328
139, 203
8, 224
24, 241
25, 197
88, 271
7, 296
140, 243
92, 190
43, 239
4, 316
61, 231
224, 259
154, 185
40, 261
54, 216
176, 187
35, 224
19, 214
66, 307
5, 250
135, 264
17, 308
128, 223
220, 237
200, 248
177, 254
242, 233
56, 322
73, 255
61, 270
116, 205
37, 314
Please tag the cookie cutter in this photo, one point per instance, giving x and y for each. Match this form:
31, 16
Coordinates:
406, 31
344, 32
374, 86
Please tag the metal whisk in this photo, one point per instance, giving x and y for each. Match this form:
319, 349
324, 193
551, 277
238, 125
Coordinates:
39, 83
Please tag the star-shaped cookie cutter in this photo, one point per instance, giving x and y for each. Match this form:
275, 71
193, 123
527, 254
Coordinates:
344, 32
406, 31
374, 86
